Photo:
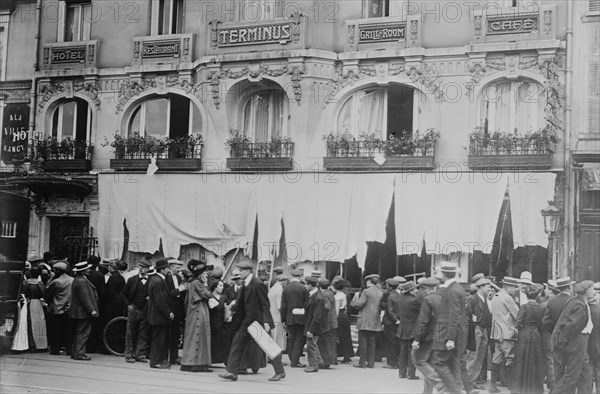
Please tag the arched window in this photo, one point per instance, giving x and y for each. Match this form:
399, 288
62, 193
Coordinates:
513, 105
72, 119
384, 111
265, 115
169, 115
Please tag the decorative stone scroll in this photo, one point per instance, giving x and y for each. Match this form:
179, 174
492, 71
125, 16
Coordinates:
133, 88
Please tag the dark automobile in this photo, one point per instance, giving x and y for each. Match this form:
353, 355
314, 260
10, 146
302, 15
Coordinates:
11, 280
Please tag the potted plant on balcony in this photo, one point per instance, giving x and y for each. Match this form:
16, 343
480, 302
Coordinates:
181, 147
372, 143
338, 144
238, 143
65, 155
425, 142
279, 146
245, 155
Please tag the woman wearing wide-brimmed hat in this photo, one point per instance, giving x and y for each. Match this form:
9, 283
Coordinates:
197, 337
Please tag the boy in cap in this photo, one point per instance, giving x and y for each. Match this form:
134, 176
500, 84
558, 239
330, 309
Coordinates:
480, 315
58, 295
316, 320
369, 322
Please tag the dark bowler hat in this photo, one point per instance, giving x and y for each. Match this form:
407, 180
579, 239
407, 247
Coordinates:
311, 280
245, 265
161, 263
196, 266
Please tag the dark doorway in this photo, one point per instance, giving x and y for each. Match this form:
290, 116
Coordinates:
64, 241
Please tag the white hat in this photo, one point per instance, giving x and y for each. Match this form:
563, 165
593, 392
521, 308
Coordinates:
448, 266
526, 278
81, 266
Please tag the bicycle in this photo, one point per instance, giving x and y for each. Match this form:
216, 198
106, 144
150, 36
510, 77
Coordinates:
114, 335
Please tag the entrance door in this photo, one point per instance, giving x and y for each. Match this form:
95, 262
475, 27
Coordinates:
63, 238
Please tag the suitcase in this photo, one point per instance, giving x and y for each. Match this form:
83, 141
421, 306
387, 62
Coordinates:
264, 340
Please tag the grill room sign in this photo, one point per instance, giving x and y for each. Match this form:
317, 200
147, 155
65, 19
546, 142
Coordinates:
381, 32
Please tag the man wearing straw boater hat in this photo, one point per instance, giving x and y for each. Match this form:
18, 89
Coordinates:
445, 356
84, 307
504, 329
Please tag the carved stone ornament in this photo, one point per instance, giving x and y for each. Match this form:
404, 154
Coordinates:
425, 75
478, 71
90, 89
214, 33
215, 88
131, 89
62, 204
496, 64
296, 76
48, 90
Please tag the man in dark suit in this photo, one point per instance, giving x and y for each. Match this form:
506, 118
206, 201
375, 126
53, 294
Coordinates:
328, 339
404, 312
160, 316
136, 292
480, 316
316, 319
369, 322
252, 304
392, 346
445, 357
570, 341
95, 342
294, 297
84, 307
176, 289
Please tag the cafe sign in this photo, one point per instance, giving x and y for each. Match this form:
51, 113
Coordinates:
15, 135
381, 32
276, 33
512, 24
161, 49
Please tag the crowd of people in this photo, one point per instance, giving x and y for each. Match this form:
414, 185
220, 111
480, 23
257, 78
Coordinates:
523, 333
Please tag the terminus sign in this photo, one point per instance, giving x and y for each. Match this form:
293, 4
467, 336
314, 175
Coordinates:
381, 33
512, 25
270, 34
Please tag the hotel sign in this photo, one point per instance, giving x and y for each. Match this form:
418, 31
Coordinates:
512, 24
161, 49
276, 33
381, 32
15, 131
69, 54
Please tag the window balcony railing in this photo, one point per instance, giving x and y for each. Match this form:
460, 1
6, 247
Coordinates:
271, 155
180, 154
65, 155
510, 152
394, 154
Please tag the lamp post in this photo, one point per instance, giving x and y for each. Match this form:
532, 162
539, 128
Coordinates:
552, 215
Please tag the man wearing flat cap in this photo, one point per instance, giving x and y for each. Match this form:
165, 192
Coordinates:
570, 342
480, 316
136, 292
252, 305
176, 288
449, 328
369, 322
316, 320
58, 295
160, 316
392, 346
293, 299
404, 312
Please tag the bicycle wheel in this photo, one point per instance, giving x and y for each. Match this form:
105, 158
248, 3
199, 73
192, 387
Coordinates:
114, 335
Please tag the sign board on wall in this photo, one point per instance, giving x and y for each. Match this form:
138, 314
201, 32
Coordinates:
381, 32
251, 35
15, 126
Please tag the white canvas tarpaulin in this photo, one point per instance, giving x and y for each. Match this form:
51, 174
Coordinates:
459, 211
326, 216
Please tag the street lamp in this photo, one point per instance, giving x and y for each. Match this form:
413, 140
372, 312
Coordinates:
552, 215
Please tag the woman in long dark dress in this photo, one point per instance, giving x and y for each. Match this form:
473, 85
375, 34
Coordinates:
344, 347
528, 368
219, 345
34, 293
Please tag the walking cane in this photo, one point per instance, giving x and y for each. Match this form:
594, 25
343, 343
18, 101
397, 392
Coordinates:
169, 342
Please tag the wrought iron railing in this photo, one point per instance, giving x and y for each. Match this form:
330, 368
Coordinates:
166, 151
52, 149
371, 148
510, 146
261, 149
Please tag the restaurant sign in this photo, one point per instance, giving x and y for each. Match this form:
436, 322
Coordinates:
512, 24
155, 49
15, 135
69, 54
381, 32
275, 33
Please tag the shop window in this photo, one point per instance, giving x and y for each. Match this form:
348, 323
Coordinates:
72, 119
9, 229
383, 111
167, 16
74, 21
255, 10
171, 116
265, 115
513, 105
